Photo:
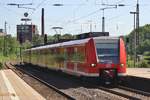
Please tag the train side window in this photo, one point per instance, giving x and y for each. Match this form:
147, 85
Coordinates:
65, 54
79, 54
75, 49
49, 51
52, 51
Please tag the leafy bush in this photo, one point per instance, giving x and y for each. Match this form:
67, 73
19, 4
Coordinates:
147, 57
130, 63
146, 53
143, 64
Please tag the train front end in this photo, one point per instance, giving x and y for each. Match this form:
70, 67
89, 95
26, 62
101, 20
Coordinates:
110, 58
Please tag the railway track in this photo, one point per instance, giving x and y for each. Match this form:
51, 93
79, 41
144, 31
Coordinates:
135, 91
45, 83
127, 93
121, 91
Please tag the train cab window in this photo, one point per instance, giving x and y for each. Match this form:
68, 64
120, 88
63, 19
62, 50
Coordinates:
65, 54
107, 52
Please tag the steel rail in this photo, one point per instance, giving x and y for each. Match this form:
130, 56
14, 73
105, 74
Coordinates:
134, 90
45, 83
118, 93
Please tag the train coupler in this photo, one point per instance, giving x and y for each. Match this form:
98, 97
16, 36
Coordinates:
108, 76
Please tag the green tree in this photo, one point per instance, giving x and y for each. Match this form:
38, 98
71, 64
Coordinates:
144, 47
67, 36
144, 35
37, 39
57, 37
12, 45
50, 38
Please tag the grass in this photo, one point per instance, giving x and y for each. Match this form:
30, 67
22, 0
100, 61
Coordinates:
4, 59
7, 58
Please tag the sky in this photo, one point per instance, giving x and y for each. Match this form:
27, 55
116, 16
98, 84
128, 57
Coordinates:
75, 16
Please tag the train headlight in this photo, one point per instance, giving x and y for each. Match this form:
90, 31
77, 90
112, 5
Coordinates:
121, 65
93, 65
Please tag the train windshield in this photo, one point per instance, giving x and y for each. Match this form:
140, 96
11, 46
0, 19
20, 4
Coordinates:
107, 53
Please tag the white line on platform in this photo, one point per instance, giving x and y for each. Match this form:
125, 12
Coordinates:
11, 90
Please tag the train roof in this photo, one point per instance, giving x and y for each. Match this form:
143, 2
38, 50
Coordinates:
106, 37
74, 42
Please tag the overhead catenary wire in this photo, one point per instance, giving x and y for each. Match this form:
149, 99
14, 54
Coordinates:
120, 1
77, 8
13, 12
90, 14
83, 16
69, 22
37, 7
17, 13
112, 18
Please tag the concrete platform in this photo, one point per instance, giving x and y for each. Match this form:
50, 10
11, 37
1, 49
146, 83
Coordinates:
139, 72
12, 87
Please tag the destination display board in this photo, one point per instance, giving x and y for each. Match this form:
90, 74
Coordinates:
25, 32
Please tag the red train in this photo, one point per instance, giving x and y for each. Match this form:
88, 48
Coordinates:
103, 57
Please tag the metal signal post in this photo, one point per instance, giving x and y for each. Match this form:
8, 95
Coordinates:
136, 32
135, 38
5, 35
137, 23
108, 7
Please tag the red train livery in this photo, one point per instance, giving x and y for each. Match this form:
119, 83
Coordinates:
103, 57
